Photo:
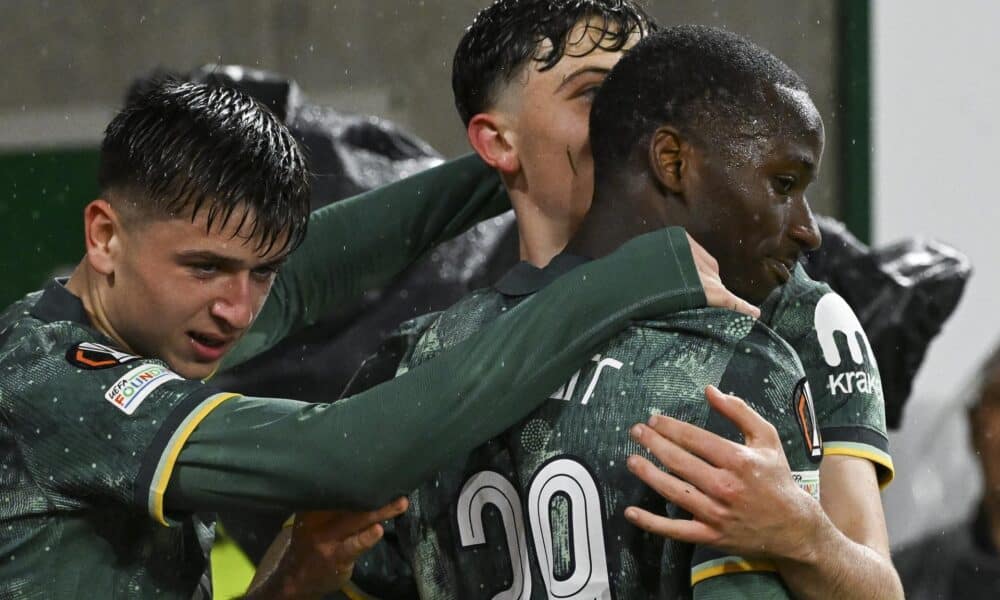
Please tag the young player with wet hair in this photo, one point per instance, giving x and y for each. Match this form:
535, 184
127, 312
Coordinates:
117, 453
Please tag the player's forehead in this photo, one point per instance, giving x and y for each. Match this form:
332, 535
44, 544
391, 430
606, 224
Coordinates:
800, 109
790, 134
214, 230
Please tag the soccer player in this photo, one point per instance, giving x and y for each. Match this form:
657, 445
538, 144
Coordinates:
539, 511
526, 103
116, 454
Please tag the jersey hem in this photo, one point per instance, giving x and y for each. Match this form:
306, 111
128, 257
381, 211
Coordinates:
161, 456
728, 565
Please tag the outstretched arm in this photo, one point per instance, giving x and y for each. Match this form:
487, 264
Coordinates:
743, 499
363, 451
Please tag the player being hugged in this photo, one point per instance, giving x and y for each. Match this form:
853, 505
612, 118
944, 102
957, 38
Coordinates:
694, 127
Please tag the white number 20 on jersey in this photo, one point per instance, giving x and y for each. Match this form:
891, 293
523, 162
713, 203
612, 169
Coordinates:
589, 579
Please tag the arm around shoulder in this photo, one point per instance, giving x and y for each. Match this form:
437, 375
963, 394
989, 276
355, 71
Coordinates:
365, 450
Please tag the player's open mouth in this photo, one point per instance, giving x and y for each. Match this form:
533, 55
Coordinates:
208, 347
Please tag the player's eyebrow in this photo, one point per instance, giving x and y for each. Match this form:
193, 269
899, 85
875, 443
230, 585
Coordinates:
801, 159
227, 262
274, 263
582, 71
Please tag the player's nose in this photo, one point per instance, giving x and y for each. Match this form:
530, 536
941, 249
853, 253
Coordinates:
235, 305
803, 228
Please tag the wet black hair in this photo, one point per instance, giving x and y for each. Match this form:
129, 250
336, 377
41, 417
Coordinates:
506, 35
707, 82
178, 147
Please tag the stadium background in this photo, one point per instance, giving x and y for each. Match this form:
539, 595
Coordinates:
907, 89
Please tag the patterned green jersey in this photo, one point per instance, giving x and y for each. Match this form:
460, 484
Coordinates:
840, 365
538, 511
88, 435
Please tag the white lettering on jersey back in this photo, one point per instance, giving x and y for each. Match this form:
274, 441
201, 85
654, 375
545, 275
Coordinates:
489, 487
854, 381
833, 314
566, 391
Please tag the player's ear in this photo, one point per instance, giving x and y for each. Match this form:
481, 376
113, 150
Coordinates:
668, 158
102, 236
494, 141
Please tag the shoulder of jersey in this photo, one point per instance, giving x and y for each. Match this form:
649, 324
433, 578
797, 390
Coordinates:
804, 288
24, 339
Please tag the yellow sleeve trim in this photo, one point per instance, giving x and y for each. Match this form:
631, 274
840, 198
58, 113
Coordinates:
887, 471
169, 457
728, 565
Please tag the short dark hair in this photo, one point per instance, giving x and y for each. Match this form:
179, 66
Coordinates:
177, 147
506, 35
705, 81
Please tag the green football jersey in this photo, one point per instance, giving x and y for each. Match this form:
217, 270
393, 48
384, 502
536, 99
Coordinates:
90, 434
538, 511
840, 365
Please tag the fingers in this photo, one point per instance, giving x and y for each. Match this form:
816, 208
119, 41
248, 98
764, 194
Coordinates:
391, 510
680, 461
756, 430
340, 524
678, 491
743, 307
359, 543
710, 447
718, 296
693, 532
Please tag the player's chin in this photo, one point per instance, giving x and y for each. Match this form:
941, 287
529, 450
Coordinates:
757, 288
193, 369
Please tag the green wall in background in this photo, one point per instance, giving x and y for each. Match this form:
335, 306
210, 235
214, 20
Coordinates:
855, 117
42, 195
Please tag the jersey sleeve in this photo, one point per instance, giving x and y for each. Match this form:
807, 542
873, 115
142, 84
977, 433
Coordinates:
765, 372
362, 451
843, 374
363, 242
100, 427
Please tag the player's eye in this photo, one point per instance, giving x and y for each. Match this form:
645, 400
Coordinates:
590, 92
265, 272
784, 184
204, 270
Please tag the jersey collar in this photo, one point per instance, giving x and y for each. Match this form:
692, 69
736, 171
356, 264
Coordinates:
525, 278
59, 304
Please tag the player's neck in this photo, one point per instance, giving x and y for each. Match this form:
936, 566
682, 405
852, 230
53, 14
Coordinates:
609, 224
542, 234
86, 285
